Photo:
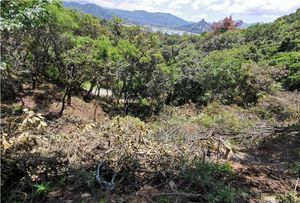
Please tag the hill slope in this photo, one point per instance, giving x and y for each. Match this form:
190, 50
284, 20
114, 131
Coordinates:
136, 17
199, 27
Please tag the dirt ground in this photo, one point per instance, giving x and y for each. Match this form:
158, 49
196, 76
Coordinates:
264, 171
266, 168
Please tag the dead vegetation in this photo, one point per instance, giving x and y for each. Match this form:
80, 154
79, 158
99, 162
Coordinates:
183, 154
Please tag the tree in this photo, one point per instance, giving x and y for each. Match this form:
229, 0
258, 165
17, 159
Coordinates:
24, 42
188, 69
227, 40
224, 25
75, 61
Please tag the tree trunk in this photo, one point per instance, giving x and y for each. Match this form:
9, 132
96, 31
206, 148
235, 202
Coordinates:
20, 87
64, 102
33, 84
69, 97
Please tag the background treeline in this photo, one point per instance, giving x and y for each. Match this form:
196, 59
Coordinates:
43, 42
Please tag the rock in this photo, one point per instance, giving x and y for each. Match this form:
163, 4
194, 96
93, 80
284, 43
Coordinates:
173, 186
55, 194
85, 195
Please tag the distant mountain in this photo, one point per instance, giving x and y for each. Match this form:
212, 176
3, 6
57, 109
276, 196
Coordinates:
243, 25
156, 20
201, 26
134, 17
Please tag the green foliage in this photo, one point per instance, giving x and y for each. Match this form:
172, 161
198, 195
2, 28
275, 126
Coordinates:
291, 197
226, 119
105, 49
295, 167
205, 177
147, 70
228, 40
223, 75
42, 189
127, 49
292, 62
67, 20
24, 14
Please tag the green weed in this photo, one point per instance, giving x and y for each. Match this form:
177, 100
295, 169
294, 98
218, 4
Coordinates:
42, 189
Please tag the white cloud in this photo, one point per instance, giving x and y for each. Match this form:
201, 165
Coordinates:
104, 3
197, 18
176, 4
200, 4
254, 6
147, 5
270, 17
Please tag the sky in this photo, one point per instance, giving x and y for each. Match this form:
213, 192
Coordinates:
211, 10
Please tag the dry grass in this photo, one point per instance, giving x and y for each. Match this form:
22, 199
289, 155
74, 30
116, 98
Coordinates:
280, 107
149, 159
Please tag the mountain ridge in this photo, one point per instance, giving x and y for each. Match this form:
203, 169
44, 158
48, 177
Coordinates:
145, 18
139, 17
198, 27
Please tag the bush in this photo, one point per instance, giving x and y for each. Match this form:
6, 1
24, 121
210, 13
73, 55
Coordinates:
228, 40
224, 76
207, 177
280, 106
226, 119
292, 62
291, 197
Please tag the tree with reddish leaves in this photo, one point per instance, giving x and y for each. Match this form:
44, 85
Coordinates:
224, 25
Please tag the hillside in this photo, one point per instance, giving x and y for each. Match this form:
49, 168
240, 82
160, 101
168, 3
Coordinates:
135, 17
95, 111
200, 27
163, 20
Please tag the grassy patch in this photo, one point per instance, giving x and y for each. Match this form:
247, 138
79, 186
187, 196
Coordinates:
212, 180
279, 107
228, 119
291, 197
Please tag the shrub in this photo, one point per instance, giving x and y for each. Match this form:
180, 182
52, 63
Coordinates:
224, 76
207, 177
280, 106
292, 61
291, 197
226, 119
227, 40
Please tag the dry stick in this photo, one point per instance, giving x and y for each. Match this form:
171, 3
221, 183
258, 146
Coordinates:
95, 110
178, 194
296, 185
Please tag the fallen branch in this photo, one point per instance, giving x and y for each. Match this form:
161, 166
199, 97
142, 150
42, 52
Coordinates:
296, 185
105, 184
179, 194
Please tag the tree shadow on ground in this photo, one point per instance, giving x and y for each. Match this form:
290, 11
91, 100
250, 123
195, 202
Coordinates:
133, 109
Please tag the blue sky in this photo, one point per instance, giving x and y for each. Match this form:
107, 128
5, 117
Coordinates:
211, 10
